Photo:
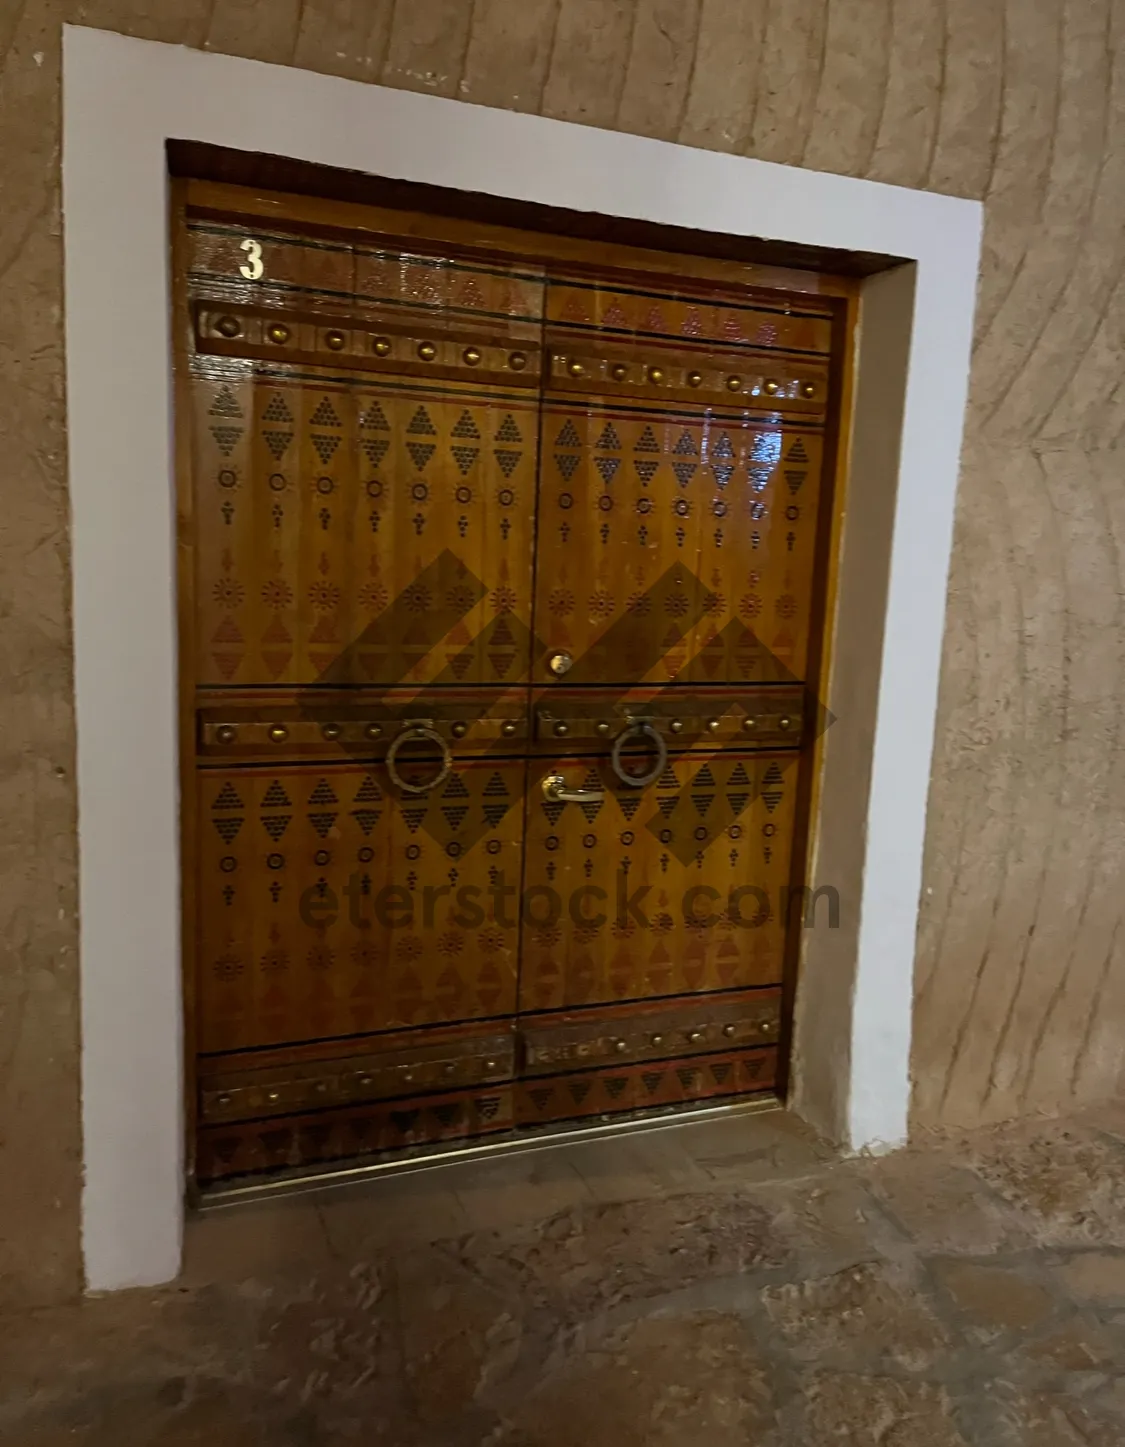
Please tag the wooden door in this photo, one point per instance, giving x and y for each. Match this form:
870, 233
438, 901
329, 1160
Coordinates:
682, 446
498, 607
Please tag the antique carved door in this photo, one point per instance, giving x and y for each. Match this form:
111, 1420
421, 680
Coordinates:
497, 603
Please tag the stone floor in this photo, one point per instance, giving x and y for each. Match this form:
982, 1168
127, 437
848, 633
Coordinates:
720, 1283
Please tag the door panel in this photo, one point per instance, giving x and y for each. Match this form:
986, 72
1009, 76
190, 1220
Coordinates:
332, 906
353, 534
682, 528
669, 890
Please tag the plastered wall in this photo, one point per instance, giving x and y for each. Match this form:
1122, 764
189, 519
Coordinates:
1020, 971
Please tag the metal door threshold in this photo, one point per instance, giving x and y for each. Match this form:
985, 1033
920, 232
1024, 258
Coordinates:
434, 1158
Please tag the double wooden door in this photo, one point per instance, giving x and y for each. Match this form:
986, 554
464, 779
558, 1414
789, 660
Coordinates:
498, 605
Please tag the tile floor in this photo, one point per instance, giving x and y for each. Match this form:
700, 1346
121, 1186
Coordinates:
720, 1283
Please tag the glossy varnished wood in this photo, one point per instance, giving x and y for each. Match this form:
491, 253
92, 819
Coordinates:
422, 460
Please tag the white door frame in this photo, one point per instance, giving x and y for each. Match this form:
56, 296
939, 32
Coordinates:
122, 99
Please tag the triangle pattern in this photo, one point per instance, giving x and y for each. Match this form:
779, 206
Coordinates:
325, 446
277, 410
420, 453
226, 438
420, 424
464, 457
225, 404
277, 442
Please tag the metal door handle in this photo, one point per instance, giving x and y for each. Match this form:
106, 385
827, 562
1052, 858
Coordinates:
645, 728
554, 788
418, 728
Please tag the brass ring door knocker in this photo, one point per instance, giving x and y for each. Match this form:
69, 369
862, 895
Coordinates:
639, 726
412, 730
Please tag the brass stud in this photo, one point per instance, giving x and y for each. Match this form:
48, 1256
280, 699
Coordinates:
459, 729
785, 722
334, 341
228, 327
322, 1087
508, 728
767, 1027
575, 368
734, 384
366, 1081
278, 733
427, 351
714, 725
224, 1100
562, 728
695, 1036
619, 371
621, 1046
331, 731
374, 731
273, 1096
728, 1031
517, 361
808, 389
749, 723
277, 332
676, 726
381, 346
472, 356
771, 387
490, 1065
656, 374
694, 379
657, 1040
449, 1069
226, 733
408, 1076
603, 727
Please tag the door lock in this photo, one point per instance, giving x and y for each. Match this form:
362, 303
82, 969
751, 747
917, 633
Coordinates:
554, 789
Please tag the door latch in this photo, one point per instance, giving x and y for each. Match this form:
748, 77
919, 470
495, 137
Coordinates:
554, 789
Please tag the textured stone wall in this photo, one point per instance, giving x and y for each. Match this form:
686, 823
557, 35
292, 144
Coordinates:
1021, 972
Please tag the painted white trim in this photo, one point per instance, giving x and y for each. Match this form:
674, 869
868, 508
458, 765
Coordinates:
122, 99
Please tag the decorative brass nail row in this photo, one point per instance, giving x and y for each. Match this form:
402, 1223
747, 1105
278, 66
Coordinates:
397, 1077
374, 1081
646, 1043
310, 732
784, 388
230, 326
582, 726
